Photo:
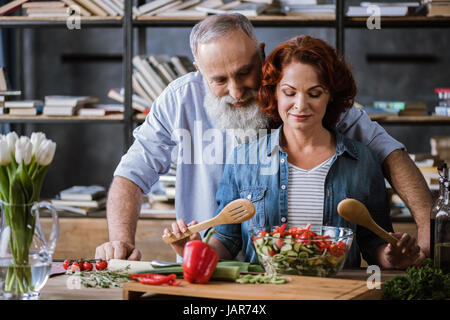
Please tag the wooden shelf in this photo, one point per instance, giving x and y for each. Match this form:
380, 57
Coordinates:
400, 22
282, 21
26, 22
61, 119
384, 118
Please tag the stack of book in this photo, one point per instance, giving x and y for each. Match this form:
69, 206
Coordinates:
45, 9
443, 107
81, 199
402, 108
151, 75
308, 8
384, 9
438, 8
66, 105
24, 107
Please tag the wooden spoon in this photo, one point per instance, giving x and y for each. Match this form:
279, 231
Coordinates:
236, 211
354, 211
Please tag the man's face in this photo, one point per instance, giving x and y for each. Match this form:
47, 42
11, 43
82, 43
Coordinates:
231, 67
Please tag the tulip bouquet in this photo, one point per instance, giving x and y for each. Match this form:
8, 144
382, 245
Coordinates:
24, 163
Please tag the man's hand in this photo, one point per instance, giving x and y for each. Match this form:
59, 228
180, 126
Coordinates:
178, 228
406, 253
117, 250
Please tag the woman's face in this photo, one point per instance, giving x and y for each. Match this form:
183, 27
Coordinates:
302, 100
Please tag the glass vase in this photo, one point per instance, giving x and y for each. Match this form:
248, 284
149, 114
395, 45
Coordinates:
25, 253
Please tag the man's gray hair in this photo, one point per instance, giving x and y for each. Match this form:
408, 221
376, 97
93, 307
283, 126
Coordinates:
217, 26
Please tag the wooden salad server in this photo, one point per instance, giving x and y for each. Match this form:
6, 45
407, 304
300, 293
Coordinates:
237, 211
354, 211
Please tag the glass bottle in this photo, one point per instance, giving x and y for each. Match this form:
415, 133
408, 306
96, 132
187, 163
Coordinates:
437, 204
442, 233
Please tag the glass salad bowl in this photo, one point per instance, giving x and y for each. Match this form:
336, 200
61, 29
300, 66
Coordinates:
299, 251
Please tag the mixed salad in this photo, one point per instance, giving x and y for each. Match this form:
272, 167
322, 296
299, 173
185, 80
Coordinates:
299, 250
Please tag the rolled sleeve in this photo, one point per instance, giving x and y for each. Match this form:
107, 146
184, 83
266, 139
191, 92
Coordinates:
151, 152
357, 125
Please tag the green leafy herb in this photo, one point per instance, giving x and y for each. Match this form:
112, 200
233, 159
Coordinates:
420, 283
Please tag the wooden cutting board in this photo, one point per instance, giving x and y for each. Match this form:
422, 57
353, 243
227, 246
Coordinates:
298, 288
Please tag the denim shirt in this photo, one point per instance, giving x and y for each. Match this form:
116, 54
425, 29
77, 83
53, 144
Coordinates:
258, 171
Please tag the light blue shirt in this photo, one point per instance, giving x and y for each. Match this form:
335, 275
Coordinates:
178, 119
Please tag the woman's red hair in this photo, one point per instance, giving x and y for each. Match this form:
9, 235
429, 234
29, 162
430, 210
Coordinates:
333, 72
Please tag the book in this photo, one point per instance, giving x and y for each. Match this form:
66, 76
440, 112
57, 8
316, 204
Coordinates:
23, 104
440, 146
81, 193
153, 5
59, 111
250, 9
10, 93
438, 9
101, 110
4, 82
46, 10
385, 11
73, 4
137, 98
184, 5
113, 5
142, 88
48, 14
92, 7
162, 64
105, 7
11, 6
43, 4
117, 96
25, 111
146, 70
99, 203
162, 9
183, 13
182, 64
68, 101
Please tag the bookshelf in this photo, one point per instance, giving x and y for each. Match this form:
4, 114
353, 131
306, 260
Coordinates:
128, 25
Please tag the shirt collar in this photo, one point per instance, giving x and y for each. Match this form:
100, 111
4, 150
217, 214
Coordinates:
342, 144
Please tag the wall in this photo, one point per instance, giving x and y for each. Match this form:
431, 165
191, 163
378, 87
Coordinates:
89, 153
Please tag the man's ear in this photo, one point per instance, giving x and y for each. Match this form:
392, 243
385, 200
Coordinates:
262, 46
196, 66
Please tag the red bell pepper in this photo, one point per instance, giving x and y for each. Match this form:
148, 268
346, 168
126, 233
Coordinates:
199, 260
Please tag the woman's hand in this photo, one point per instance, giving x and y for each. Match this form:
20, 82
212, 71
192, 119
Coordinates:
178, 228
406, 253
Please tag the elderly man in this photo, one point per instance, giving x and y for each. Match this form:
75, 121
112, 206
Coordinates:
195, 108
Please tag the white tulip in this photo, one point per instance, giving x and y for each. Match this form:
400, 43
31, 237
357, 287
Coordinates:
5, 155
11, 138
36, 139
46, 152
24, 150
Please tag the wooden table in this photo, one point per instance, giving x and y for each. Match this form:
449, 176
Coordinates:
58, 288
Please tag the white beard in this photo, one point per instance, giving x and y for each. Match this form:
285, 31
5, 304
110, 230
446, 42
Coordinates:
243, 122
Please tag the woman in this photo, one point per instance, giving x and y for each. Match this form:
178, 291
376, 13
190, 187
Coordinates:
305, 167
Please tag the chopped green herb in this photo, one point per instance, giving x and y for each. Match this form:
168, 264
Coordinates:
102, 278
420, 283
262, 278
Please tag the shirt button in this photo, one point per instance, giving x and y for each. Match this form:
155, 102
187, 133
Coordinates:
283, 219
249, 197
283, 187
282, 160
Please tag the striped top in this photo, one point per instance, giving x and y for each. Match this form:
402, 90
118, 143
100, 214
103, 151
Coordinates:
306, 195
